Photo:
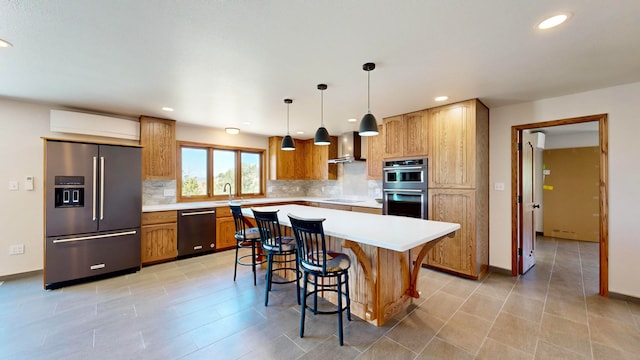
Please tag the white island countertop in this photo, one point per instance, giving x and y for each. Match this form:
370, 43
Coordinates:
396, 233
257, 201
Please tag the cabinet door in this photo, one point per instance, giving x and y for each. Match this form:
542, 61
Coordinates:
393, 137
281, 163
158, 140
452, 159
375, 156
159, 242
225, 232
455, 254
416, 133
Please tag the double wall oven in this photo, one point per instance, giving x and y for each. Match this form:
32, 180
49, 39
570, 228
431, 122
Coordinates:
405, 188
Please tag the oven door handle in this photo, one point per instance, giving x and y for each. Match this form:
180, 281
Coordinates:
403, 168
403, 190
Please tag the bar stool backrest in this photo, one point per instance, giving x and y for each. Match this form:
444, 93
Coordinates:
269, 227
312, 248
238, 219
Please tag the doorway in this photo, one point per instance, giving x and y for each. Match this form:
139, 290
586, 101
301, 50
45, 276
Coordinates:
516, 135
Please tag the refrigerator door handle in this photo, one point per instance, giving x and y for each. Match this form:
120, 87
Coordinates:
92, 237
101, 187
95, 175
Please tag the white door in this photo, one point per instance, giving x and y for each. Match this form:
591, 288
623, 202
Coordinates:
527, 205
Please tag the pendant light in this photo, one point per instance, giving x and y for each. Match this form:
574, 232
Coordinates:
368, 125
322, 135
287, 141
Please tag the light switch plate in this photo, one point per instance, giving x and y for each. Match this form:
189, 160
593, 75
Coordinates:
13, 185
499, 186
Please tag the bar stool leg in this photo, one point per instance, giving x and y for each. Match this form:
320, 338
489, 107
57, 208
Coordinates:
346, 284
297, 280
303, 310
339, 286
235, 266
253, 261
269, 275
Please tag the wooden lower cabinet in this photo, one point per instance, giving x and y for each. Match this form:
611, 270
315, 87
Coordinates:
467, 252
225, 229
159, 237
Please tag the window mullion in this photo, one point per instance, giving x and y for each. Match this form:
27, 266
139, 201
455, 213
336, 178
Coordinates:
238, 173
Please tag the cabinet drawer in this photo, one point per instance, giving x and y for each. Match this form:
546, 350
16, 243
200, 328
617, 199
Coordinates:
159, 217
224, 211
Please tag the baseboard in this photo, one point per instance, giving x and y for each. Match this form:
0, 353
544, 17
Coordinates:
628, 298
20, 275
501, 271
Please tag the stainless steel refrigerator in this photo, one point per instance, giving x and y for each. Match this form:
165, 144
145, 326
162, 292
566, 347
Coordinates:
93, 204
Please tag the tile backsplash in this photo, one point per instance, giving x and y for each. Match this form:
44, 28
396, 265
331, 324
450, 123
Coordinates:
352, 183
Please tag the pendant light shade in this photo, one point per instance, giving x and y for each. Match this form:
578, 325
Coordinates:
368, 124
287, 141
322, 135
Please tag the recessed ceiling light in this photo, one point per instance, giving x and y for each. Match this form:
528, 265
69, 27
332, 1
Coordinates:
441, 98
299, 132
553, 21
352, 120
166, 108
4, 43
232, 131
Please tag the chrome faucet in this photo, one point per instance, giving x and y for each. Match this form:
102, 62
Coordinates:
224, 189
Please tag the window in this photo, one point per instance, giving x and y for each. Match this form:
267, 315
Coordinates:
206, 169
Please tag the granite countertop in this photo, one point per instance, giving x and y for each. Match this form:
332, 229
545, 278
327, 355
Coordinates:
258, 201
398, 233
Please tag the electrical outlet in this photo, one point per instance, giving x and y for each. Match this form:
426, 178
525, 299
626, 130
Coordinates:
17, 249
169, 192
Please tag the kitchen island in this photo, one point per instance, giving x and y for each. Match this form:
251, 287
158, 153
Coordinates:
382, 278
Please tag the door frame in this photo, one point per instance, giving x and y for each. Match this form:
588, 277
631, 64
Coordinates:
603, 202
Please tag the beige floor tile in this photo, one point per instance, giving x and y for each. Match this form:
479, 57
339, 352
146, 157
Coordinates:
615, 334
545, 351
441, 350
523, 307
482, 306
465, 331
516, 332
492, 349
533, 289
613, 309
566, 334
603, 352
461, 287
385, 348
441, 305
571, 307
416, 330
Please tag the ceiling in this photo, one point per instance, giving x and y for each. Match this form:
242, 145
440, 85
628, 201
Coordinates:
229, 63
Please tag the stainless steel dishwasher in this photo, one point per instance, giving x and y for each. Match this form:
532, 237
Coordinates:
196, 231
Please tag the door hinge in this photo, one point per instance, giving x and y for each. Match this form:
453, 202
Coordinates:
519, 146
519, 251
519, 199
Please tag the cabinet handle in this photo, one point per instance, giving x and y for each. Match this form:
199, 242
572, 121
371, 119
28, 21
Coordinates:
199, 213
97, 266
403, 190
197, 247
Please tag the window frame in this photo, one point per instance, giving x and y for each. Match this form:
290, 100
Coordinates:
210, 183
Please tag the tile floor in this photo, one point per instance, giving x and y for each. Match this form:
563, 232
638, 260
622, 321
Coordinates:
191, 309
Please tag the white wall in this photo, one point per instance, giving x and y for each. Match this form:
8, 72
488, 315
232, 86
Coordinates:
622, 105
207, 135
21, 153
565, 141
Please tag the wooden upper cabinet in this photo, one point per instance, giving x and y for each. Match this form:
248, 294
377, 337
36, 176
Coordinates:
375, 156
158, 140
406, 135
416, 127
281, 163
393, 137
306, 162
452, 163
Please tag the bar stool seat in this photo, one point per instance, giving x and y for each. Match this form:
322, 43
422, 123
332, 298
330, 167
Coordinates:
245, 238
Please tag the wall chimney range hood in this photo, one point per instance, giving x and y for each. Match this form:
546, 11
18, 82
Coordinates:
351, 147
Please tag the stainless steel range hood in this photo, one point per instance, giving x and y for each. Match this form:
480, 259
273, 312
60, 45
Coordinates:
351, 147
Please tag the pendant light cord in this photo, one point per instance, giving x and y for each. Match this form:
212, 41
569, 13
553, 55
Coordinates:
369, 92
287, 118
322, 108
